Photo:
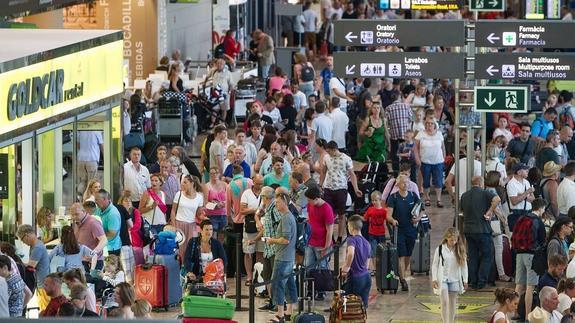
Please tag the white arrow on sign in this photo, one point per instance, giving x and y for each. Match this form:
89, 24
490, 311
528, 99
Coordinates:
350, 36
492, 38
490, 70
349, 69
490, 101
493, 3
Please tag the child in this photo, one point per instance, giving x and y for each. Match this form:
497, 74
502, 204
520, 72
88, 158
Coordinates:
229, 156
356, 261
376, 216
417, 124
406, 154
113, 274
72, 252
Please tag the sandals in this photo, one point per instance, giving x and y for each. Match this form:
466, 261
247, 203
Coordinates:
248, 283
427, 203
439, 204
277, 319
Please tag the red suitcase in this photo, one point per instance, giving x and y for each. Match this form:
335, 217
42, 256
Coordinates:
150, 284
198, 320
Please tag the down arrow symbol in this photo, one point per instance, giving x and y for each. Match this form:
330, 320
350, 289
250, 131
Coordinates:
490, 101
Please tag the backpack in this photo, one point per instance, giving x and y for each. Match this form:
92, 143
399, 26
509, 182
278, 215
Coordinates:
146, 232
165, 243
219, 51
307, 73
539, 263
524, 233
566, 118
303, 230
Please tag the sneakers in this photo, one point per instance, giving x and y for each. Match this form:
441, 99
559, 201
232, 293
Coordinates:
404, 286
320, 297
505, 278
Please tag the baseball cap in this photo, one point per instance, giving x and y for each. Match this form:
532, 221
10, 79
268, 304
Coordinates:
519, 166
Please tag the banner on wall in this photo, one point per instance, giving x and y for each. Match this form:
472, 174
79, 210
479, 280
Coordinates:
34, 94
221, 20
137, 19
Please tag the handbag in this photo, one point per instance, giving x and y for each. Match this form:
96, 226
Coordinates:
323, 279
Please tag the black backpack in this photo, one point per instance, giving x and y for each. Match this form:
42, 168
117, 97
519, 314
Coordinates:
307, 73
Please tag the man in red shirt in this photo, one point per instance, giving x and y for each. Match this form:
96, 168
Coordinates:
88, 231
321, 220
53, 287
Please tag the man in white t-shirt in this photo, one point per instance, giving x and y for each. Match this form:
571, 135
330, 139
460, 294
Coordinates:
322, 125
462, 177
300, 101
249, 204
271, 110
136, 176
334, 175
337, 89
340, 123
519, 193
89, 145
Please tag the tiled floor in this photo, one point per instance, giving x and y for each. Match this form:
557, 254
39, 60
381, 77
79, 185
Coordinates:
417, 305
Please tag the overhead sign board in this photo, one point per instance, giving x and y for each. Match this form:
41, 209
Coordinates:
511, 99
363, 32
29, 7
3, 176
420, 4
487, 5
399, 65
525, 66
525, 33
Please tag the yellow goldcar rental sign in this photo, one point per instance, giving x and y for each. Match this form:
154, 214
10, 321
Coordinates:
40, 91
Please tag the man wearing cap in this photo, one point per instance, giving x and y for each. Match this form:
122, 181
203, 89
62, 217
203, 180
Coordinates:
549, 301
333, 178
519, 193
566, 190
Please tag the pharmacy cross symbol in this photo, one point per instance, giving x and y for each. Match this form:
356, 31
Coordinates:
509, 38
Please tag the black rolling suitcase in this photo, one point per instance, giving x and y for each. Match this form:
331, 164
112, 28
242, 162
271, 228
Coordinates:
421, 259
387, 266
309, 316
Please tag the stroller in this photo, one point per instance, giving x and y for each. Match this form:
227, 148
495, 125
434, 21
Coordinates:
206, 106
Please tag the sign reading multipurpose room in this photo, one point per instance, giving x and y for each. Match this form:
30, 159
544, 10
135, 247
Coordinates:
525, 66
31, 94
525, 33
399, 65
356, 32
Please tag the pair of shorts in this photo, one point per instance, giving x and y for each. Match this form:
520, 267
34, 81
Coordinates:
219, 222
128, 262
374, 241
524, 275
405, 245
336, 200
452, 287
310, 39
249, 248
436, 171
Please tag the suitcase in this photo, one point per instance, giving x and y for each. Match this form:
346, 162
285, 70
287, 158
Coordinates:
387, 266
150, 284
347, 308
173, 284
150, 145
202, 320
420, 260
309, 316
208, 307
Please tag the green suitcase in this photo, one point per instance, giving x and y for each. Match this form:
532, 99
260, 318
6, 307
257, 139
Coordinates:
208, 307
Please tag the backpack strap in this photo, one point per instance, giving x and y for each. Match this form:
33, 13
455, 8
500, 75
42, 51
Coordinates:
441, 255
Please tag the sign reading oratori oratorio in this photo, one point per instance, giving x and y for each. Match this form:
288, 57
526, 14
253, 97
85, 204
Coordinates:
29, 95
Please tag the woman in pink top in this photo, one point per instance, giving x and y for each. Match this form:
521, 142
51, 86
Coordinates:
215, 193
277, 81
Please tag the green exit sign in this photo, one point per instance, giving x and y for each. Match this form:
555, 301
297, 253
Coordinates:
501, 99
487, 5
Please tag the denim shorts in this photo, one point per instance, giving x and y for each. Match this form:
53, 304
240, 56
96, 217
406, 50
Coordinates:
218, 222
435, 171
524, 275
452, 287
283, 289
